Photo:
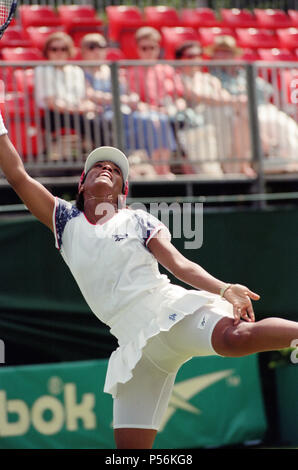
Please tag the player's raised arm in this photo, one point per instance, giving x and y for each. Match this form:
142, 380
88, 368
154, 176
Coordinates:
36, 197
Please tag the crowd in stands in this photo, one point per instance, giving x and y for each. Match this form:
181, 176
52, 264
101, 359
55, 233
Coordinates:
193, 110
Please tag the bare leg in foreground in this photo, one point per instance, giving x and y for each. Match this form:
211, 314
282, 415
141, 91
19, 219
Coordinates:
247, 338
231, 341
134, 438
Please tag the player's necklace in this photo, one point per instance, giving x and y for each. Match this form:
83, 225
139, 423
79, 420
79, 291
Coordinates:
103, 199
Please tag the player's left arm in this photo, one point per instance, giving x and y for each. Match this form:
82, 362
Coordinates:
181, 267
194, 275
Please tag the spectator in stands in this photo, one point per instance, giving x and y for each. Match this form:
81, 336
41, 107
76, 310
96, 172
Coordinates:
211, 108
60, 91
143, 128
278, 131
158, 85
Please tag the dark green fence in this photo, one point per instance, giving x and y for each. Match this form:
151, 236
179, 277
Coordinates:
44, 318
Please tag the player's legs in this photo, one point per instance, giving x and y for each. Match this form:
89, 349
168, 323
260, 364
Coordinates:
134, 438
140, 403
211, 331
248, 338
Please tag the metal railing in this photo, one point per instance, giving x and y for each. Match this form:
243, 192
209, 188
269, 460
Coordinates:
100, 5
167, 117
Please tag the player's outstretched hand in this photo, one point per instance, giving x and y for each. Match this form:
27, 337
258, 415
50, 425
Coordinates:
240, 297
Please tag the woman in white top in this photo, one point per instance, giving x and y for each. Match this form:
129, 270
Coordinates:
60, 91
113, 253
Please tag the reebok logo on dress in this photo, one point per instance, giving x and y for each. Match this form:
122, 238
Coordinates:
173, 316
118, 238
203, 322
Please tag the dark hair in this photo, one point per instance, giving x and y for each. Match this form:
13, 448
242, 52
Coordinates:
80, 201
186, 45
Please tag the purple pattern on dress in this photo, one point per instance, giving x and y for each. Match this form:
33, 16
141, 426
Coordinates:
64, 213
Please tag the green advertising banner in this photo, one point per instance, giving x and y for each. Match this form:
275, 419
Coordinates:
216, 401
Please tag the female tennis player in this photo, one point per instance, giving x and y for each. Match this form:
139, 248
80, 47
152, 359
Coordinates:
113, 253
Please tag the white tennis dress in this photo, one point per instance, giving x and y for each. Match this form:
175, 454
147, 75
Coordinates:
120, 280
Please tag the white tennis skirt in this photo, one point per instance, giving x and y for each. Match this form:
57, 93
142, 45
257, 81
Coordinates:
156, 311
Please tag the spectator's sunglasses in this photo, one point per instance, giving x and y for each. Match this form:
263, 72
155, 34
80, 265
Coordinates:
58, 49
148, 48
94, 45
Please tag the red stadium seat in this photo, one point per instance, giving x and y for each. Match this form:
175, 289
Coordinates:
293, 14
174, 37
21, 54
235, 18
79, 17
39, 34
18, 104
288, 83
161, 16
276, 55
198, 18
24, 136
38, 15
7, 81
256, 38
14, 37
128, 45
288, 38
114, 54
121, 18
249, 55
272, 19
207, 35
24, 80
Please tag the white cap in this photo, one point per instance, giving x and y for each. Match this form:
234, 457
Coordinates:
110, 154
